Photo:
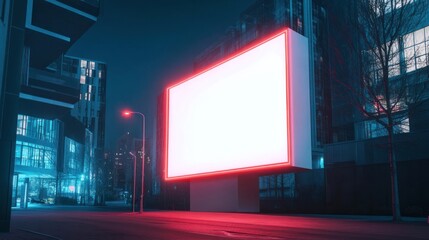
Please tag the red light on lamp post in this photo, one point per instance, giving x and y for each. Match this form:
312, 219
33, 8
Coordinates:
127, 113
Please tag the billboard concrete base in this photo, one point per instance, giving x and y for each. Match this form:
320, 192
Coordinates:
226, 194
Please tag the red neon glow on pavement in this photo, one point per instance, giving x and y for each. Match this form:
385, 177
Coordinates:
232, 117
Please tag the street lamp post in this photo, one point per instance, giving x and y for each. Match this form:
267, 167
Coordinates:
128, 113
134, 177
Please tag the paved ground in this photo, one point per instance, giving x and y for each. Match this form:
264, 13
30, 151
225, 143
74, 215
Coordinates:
113, 223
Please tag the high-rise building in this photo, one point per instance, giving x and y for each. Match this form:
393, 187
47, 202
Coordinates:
72, 93
123, 172
309, 18
91, 107
265, 17
90, 110
40, 99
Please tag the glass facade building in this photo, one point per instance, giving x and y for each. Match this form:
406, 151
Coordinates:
309, 18
35, 160
45, 173
90, 110
358, 157
39, 150
64, 145
42, 98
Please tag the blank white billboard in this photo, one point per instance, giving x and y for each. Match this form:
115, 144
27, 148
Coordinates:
239, 115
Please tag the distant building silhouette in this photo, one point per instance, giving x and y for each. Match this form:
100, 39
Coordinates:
122, 168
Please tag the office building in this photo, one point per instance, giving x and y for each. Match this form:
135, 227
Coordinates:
36, 101
90, 110
350, 171
357, 168
73, 103
280, 192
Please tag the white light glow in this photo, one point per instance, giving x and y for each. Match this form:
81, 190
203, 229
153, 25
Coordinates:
233, 116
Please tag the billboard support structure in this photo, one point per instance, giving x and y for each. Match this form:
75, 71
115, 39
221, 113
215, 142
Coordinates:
227, 194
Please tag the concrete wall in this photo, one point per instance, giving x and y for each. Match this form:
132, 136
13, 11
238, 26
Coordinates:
226, 194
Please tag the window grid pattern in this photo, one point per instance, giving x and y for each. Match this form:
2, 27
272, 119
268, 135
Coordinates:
73, 155
37, 128
416, 49
35, 155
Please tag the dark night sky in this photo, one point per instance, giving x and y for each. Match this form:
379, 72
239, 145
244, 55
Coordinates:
148, 44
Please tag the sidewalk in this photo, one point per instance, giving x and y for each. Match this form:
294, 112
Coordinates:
121, 206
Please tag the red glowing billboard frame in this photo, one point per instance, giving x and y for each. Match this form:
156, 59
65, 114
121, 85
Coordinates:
295, 47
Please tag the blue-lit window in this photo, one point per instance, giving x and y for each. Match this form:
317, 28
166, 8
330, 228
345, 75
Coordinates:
388, 6
22, 125
416, 49
37, 128
35, 155
18, 150
373, 129
73, 155
83, 64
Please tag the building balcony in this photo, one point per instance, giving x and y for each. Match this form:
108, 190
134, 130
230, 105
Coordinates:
52, 86
52, 26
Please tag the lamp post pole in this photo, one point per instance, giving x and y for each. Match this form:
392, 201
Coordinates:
134, 185
128, 113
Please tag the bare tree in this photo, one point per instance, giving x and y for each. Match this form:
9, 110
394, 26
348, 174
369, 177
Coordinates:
387, 87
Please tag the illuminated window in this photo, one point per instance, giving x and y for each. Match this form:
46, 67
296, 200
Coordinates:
388, 5
415, 52
18, 150
37, 128
83, 64
375, 68
35, 155
416, 49
73, 155
394, 62
374, 129
82, 79
72, 148
377, 106
69, 188
22, 125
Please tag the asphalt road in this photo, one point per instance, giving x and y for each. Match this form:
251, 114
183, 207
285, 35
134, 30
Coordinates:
105, 223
